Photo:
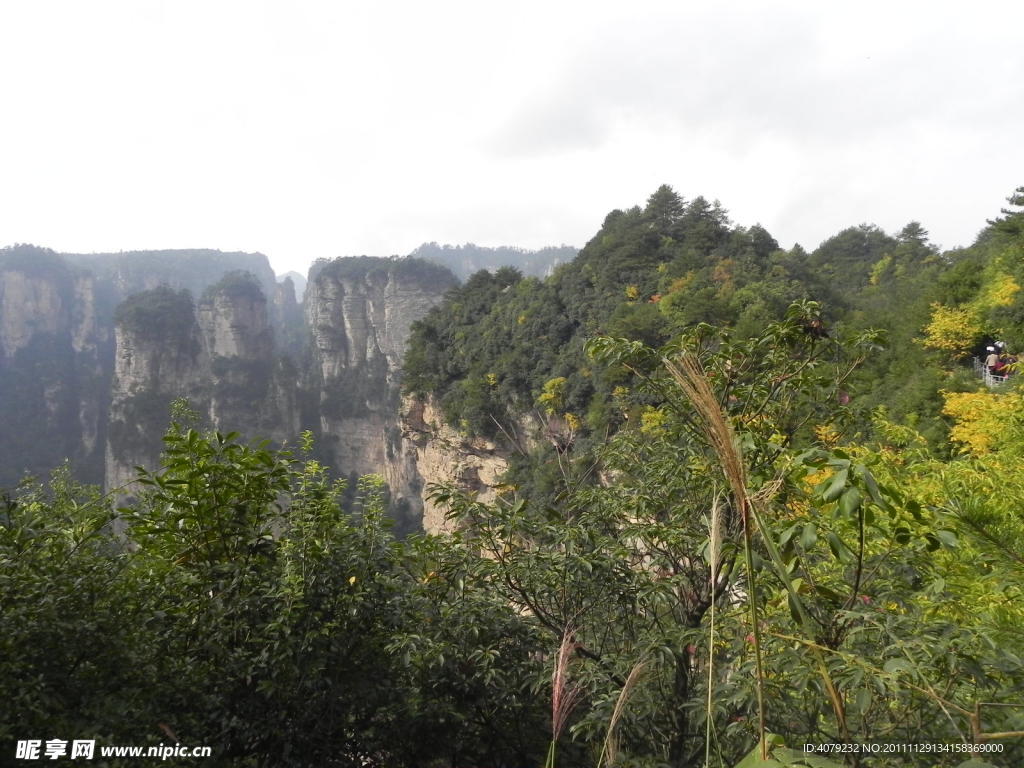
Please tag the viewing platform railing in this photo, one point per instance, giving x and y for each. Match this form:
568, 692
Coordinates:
982, 372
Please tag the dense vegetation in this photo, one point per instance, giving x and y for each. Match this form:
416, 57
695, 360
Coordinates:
370, 268
236, 284
505, 345
647, 274
161, 315
753, 524
276, 634
721, 584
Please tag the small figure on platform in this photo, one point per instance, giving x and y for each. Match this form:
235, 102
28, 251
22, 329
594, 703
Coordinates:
992, 361
1001, 365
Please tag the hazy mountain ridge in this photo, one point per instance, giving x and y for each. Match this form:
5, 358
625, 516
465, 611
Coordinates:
465, 260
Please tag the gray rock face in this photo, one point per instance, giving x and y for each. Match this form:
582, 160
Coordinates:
433, 452
235, 326
32, 304
360, 321
95, 385
359, 313
57, 356
159, 356
252, 389
288, 319
130, 272
298, 283
52, 374
29, 305
219, 356
222, 356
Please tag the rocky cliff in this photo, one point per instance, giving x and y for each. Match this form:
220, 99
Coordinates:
53, 370
89, 373
253, 386
219, 355
222, 354
433, 452
359, 312
159, 356
288, 319
57, 340
195, 269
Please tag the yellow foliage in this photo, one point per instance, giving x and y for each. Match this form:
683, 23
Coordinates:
811, 479
957, 329
681, 282
827, 435
982, 418
632, 292
573, 421
798, 504
652, 421
999, 292
953, 329
553, 396
492, 379
722, 272
880, 268
895, 435
985, 489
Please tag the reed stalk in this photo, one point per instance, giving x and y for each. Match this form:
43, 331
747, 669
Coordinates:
691, 379
610, 748
564, 694
687, 373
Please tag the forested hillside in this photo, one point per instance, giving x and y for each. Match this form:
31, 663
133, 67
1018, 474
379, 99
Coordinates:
758, 499
507, 348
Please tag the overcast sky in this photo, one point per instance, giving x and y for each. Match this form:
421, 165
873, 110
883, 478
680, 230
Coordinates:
309, 129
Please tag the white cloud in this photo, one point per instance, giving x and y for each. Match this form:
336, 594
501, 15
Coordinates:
319, 129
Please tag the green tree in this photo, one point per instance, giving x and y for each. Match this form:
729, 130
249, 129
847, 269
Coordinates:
64, 659
624, 567
759, 587
246, 609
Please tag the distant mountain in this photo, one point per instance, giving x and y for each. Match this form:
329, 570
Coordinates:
94, 348
298, 280
465, 260
193, 268
58, 347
